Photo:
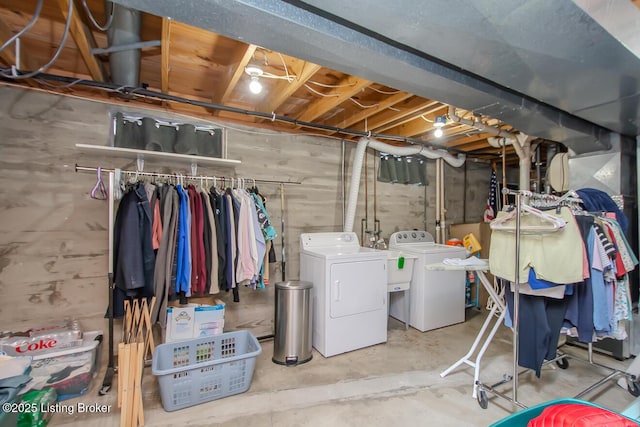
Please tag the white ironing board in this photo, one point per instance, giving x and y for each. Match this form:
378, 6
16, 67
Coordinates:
498, 307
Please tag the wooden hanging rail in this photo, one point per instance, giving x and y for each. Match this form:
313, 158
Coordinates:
79, 168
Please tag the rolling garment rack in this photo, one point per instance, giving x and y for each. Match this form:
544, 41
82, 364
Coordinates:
569, 199
109, 194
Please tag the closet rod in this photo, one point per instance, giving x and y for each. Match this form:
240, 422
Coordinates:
79, 168
569, 197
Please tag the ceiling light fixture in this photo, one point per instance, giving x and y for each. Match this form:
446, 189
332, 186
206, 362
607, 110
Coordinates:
439, 124
255, 72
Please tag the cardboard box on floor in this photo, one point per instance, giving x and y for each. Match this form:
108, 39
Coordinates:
201, 317
482, 232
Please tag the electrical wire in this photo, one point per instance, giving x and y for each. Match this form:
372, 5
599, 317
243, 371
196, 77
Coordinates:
362, 105
45, 67
320, 93
425, 119
286, 70
288, 78
26, 28
328, 85
104, 27
65, 86
383, 91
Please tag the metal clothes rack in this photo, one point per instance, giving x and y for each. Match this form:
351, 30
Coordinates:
570, 198
112, 368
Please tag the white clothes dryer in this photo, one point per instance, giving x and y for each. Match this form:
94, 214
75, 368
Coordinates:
349, 294
437, 298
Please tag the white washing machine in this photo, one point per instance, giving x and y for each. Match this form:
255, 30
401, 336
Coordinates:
436, 297
349, 294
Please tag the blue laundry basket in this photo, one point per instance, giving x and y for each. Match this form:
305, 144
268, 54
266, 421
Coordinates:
203, 369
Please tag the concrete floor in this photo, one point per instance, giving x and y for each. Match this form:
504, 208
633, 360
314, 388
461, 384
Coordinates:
396, 383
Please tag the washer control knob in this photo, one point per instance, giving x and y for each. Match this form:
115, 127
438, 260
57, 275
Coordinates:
347, 237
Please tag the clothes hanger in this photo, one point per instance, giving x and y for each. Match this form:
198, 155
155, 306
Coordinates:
550, 223
99, 192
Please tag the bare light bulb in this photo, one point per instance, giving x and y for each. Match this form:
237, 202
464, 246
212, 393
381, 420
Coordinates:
438, 133
255, 86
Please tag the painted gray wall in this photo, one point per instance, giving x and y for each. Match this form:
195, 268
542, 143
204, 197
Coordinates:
53, 236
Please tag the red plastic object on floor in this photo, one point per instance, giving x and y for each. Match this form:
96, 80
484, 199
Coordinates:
578, 415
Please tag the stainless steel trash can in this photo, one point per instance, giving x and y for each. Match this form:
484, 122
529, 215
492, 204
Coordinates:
292, 338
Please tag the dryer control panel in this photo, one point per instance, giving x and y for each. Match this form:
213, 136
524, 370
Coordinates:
320, 240
411, 236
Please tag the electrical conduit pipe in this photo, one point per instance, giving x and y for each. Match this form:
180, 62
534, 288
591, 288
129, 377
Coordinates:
361, 149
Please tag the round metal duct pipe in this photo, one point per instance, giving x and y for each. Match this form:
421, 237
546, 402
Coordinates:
125, 30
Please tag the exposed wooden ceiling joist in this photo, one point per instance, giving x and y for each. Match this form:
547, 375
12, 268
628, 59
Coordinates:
284, 89
416, 126
165, 54
406, 108
369, 112
459, 142
333, 98
474, 146
83, 37
428, 113
201, 65
227, 86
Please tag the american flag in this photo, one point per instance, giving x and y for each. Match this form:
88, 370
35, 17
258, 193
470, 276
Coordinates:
490, 212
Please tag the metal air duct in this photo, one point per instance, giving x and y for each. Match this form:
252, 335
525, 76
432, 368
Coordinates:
125, 30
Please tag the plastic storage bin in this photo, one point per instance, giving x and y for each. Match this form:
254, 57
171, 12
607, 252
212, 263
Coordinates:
204, 369
521, 418
69, 371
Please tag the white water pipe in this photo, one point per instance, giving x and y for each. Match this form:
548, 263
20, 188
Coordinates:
480, 126
521, 143
361, 149
499, 141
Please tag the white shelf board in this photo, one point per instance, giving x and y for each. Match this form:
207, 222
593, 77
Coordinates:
131, 153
